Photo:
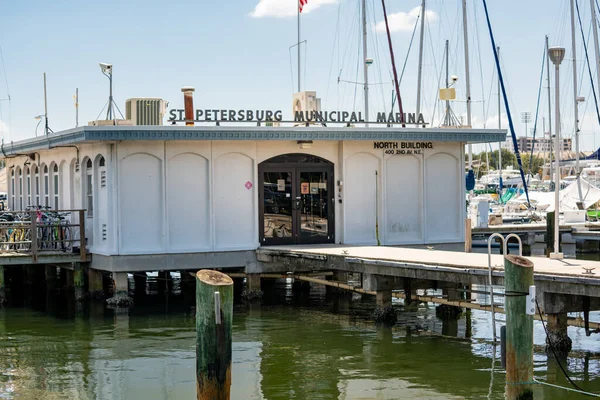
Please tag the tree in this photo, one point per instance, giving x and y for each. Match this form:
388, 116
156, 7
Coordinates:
508, 159
536, 164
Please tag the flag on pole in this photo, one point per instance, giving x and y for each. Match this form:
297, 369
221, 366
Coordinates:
301, 4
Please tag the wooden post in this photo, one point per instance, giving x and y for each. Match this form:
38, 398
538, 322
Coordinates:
558, 337
214, 323
33, 235
518, 276
82, 239
2, 286
78, 281
549, 233
468, 236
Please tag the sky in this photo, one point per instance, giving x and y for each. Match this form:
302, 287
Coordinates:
237, 55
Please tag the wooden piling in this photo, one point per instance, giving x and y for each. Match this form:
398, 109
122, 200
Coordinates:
550, 235
2, 286
213, 334
518, 276
79, 281
468, 236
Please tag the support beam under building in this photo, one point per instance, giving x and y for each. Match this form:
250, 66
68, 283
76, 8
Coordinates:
120, 291
2, 286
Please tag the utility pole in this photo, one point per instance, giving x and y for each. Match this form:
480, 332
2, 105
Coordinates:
420, 70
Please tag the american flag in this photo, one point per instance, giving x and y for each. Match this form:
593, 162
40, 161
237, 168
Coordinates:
301, 4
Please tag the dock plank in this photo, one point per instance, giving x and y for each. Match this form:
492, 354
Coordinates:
569, 268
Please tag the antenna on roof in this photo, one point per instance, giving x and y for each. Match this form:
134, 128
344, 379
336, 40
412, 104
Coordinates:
76, 99
46, 127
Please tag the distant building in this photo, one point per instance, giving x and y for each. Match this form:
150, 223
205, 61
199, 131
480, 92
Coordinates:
540, 145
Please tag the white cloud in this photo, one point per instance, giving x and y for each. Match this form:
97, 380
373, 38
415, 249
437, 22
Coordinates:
405, 21
285, 8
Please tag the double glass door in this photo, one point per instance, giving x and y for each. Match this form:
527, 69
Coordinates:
296, 205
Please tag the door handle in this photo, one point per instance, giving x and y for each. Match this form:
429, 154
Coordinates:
297, 204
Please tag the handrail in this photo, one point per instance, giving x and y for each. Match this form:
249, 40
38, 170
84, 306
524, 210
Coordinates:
32, 236
505, 248
493, 235
50, 210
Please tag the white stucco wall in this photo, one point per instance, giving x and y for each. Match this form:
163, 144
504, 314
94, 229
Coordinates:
192, 196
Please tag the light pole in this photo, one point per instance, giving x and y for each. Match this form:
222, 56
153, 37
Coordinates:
107, 71
39, 118
526, 119
556, 54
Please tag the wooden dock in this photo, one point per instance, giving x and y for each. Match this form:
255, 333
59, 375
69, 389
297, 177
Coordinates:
431, 258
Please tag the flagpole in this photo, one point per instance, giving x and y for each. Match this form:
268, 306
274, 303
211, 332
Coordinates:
298, 5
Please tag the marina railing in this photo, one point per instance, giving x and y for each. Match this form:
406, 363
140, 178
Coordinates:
33, 232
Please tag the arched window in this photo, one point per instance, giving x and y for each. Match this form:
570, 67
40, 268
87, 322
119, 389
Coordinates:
36, 186
102, 163
89, 188
55, 182
20, 177
28, 185
46, 186
12, 189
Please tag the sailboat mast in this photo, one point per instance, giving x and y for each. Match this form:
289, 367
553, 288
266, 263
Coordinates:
549, 109
467, 77
575, 102
499, 126
364, 24
76, 107
447, 118
544, 153
596, 47
298, 48
396, 84
420, 71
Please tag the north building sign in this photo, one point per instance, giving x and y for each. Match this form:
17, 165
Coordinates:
402, 147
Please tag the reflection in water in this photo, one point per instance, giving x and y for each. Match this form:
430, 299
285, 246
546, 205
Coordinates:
290, 347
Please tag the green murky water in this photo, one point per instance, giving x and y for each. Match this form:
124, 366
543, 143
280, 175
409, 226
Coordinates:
310, 346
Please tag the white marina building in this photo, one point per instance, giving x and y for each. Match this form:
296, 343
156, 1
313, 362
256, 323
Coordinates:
178, 197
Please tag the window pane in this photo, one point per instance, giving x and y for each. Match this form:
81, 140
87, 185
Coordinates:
55, 184
89, 185
90, 205
46, 184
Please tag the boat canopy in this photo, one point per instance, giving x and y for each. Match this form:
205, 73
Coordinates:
568, 197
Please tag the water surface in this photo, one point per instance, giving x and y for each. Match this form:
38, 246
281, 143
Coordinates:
310, 346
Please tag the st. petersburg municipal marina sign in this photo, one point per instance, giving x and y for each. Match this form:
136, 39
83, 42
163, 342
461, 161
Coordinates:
344, 117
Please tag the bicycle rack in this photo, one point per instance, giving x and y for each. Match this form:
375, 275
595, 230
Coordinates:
491, 283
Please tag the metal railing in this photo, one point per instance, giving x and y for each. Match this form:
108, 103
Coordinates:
43, 231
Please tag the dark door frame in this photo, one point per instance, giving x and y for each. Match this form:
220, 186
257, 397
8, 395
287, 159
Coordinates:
295, 168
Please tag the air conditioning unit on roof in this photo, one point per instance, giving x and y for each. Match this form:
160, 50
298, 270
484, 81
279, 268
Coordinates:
145, 111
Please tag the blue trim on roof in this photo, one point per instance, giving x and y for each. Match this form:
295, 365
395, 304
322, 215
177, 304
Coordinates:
88, 134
